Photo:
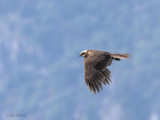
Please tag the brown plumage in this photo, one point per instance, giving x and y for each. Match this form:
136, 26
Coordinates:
96, 71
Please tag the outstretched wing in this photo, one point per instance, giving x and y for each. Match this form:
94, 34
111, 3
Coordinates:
96, 72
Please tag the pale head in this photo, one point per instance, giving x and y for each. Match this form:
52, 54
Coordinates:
83, 53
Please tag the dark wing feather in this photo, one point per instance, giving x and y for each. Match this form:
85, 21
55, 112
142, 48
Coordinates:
96, 72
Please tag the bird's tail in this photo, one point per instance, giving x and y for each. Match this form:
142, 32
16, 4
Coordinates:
120, 56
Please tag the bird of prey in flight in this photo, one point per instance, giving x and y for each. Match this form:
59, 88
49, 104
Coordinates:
96, 71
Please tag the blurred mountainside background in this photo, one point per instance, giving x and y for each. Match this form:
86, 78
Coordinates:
42, 77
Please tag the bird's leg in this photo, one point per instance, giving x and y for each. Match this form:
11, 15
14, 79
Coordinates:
117, 59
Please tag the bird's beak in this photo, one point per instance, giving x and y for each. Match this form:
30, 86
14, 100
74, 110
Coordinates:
80, 55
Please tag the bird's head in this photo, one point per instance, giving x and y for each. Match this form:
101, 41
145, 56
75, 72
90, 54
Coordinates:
83, 54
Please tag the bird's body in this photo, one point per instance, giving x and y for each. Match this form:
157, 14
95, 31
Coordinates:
96, 71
